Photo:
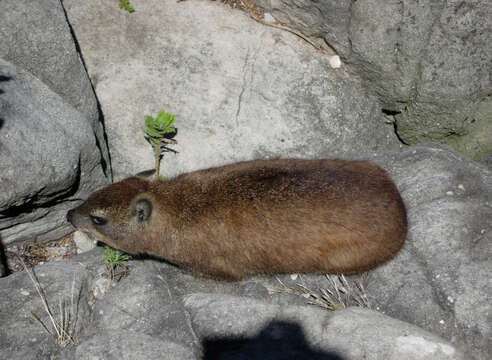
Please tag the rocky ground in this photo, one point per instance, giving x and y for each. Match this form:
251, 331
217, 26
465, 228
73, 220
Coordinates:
255, 79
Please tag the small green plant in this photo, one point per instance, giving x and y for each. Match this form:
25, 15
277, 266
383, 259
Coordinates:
159, 132
115, 261
125, 5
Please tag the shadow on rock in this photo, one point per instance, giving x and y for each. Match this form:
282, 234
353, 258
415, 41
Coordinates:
4, 270
278, 341
4, 78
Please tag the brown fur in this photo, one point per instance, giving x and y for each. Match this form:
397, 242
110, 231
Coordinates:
256, 217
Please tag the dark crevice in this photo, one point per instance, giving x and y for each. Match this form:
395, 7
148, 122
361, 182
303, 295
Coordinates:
395, 127
102, 160
390, 112
330, 46
393, 113
103, 148
3, 261
4, 78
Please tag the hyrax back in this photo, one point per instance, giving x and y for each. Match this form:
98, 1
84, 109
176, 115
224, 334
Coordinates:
255, 217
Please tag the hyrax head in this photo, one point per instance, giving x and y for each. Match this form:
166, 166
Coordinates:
117, 214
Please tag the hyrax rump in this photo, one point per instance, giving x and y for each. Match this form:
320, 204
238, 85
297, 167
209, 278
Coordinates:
255, 217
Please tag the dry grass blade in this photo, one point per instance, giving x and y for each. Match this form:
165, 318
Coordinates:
35, 317
339, 294
41, 295
62, 332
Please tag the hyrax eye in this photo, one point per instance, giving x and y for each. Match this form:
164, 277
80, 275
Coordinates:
97, 220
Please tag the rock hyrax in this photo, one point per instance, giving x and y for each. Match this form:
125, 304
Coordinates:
255, 217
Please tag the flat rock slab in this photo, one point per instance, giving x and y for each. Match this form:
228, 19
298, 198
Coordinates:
238, 327
240, 90
65, 286
129, 345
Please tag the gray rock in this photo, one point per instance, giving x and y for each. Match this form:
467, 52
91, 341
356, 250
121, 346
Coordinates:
487, 160
23, 337
440, 274
35, 36
239, 89
243, 328
128, 345
50, 158
142, 303
441, 278
427, 61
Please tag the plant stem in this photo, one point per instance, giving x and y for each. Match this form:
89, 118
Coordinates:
157, 155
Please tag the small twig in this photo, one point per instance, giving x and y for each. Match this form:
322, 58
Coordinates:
257, 15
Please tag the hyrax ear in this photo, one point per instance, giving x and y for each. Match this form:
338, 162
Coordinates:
146, 175
142, 209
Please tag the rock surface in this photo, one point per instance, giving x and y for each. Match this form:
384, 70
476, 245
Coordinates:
50, 159
439, 282
428, 62
145, 312
441, 278
21, 335
127, 345
35, 36
238, 327
239, 89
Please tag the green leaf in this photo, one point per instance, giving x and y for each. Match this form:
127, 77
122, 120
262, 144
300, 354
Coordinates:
152, 132
160, 125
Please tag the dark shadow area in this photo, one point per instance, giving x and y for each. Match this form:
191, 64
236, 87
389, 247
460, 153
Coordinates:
2, 121
395, 126
280, 340
2, 79
103, 162
4, 268
390, 112
151, 257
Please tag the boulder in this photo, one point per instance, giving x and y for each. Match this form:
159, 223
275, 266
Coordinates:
35, 36
240, 90
440, 280
50, 158
427, 62
244, 328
